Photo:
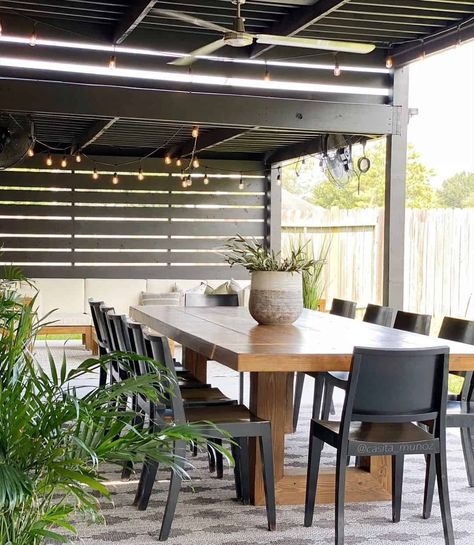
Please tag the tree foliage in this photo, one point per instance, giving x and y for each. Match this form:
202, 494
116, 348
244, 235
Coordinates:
457, 191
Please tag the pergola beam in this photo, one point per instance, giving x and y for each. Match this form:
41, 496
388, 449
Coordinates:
205, 141
133, 16
95, 131
297, 21
404, 54
234, 111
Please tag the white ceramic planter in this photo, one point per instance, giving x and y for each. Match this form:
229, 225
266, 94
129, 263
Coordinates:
276, 297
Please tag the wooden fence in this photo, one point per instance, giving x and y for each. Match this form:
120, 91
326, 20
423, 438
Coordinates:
439, 255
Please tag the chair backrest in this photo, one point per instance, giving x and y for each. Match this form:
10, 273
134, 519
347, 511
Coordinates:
104, 326
341, 307
95, 306
159, 350
375, 314
218, 300
397, 385
415, 323
457, 329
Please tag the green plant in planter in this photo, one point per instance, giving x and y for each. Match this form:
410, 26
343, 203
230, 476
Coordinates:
52, 438
254, 256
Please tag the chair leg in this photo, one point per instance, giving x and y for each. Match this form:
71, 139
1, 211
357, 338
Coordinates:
241, 388
127, 470
299, 384
219, 460
341, 465
244, 470
173, 492
211, 458
236, 455
145, 486
467, 449
314, 457
319, 386
327, 400
430, 476
397, 484
442, 478
268, 476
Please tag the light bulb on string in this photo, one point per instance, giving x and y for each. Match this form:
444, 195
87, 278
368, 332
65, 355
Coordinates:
95, 174
241, 182
34, 38
64, 162
279, 176
49, 160
190, 182
178, 162
195, 132
168, 160
195, 162
115, 179
206, 179
389, 61
113, 62
1, 28
78, 157
140, 174
337, 68
30, 151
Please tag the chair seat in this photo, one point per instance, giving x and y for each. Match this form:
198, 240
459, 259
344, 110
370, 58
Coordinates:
223, 415
208, 396
378, 438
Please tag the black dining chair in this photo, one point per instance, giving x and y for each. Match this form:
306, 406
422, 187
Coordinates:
413, 322
235, 421
374, 314
388, 392
339, 307
460, 409
100, 335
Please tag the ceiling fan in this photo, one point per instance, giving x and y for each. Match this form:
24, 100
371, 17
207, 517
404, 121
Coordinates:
238, 37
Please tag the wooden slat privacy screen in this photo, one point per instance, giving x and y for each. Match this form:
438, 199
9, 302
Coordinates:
64, 225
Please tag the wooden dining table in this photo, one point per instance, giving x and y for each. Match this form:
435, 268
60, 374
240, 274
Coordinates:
272, 354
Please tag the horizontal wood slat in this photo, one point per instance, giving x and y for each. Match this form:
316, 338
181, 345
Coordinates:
229, 182
62, 224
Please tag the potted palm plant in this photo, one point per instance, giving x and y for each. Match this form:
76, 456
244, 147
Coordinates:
276, 290
53, 436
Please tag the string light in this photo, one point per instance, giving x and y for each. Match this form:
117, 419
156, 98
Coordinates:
115, 179
78, 157
49, 160
113, 62
1, 28
178, 162
95, 174
33, 38
206, 179
337, 68
190, 182
64, 161
30, 151
168, 160
195, 132
267, 76
241, 183
140, 175
195, 162
279, 176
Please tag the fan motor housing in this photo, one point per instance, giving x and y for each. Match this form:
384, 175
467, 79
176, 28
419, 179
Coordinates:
238, 39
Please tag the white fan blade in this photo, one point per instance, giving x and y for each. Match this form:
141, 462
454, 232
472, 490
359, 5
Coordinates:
313, 43
190, 19
189, 58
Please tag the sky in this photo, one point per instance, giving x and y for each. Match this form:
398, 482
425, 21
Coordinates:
442, 89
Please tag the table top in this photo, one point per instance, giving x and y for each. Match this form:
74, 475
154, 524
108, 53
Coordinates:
317, 341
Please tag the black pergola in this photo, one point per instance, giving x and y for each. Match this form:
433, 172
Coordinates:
77, 103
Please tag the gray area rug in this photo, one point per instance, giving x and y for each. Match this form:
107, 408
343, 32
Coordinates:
207, 513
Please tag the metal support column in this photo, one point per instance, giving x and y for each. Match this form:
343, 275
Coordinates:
395, 191
273, 212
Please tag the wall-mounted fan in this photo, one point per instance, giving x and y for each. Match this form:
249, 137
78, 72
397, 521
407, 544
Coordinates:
17, 135
238, 37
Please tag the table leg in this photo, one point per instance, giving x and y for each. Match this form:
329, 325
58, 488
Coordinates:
270, 399
195, 363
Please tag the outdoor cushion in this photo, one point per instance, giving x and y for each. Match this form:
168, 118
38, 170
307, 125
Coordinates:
172, 299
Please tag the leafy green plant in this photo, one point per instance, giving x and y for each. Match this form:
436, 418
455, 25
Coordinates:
252, 255
54, 436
